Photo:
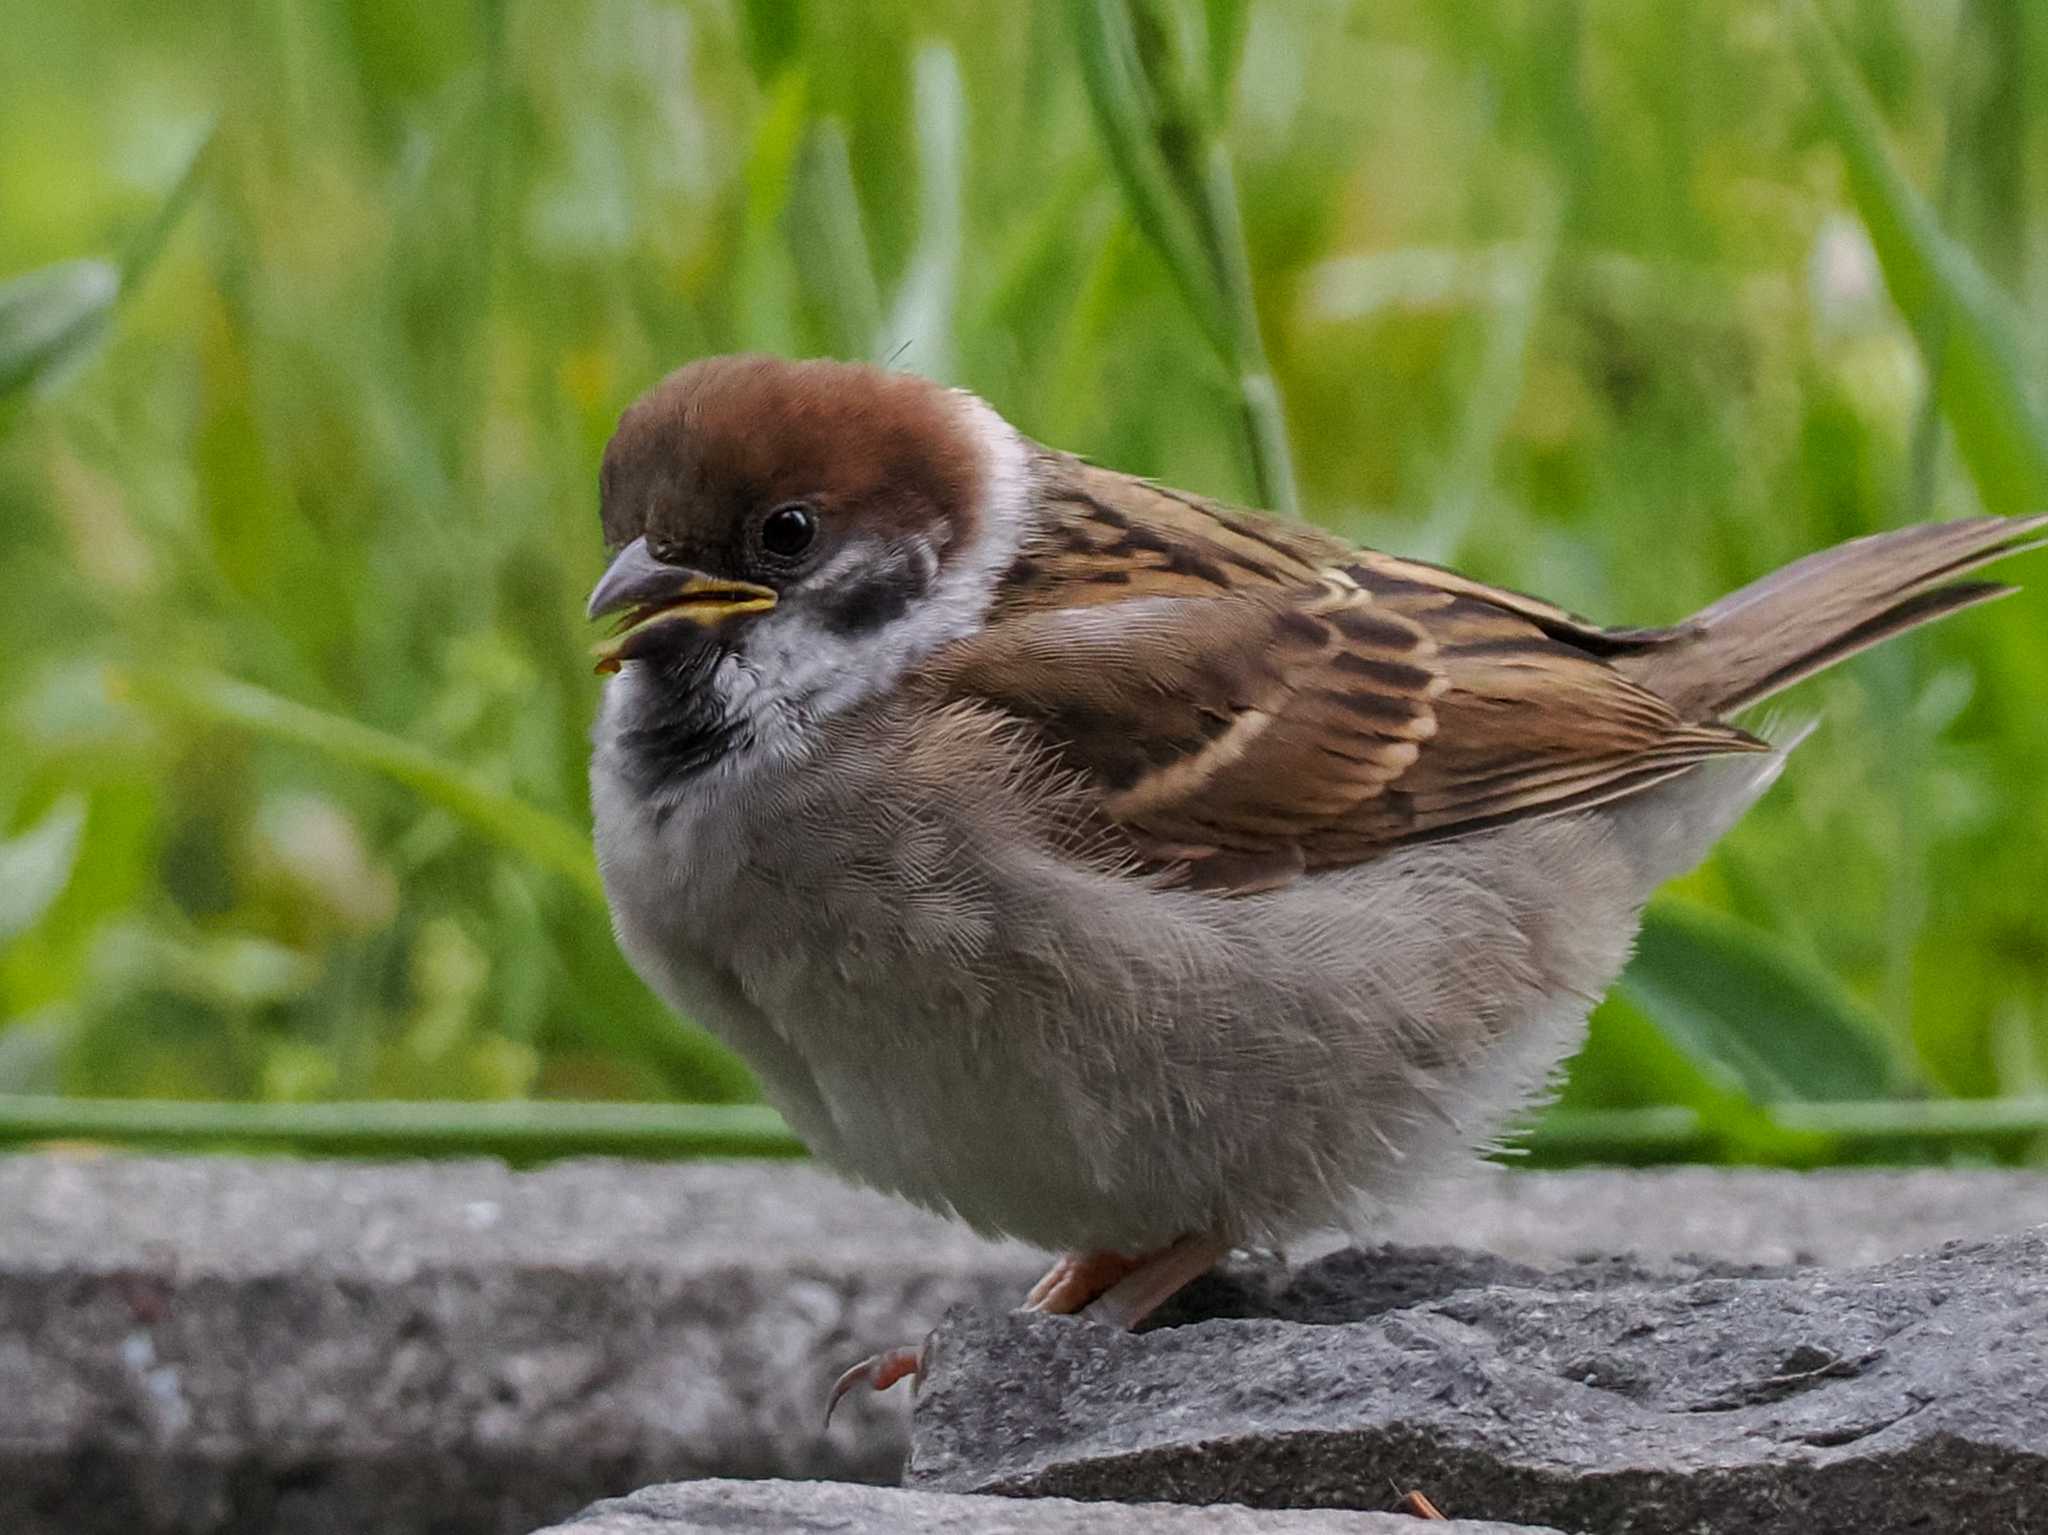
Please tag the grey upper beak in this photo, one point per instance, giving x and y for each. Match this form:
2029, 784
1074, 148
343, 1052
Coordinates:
636, 579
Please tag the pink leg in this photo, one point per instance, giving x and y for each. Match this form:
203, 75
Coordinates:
1075, 1279
1154, 1280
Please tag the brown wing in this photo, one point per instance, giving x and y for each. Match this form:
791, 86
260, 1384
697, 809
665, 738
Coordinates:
1250, 699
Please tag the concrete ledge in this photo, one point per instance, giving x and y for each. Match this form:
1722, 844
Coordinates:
214, 1345
774, 1508
220, 1345
1605, 1397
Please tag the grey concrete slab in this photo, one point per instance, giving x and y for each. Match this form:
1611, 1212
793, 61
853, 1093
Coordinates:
775, 1508
218, 1344
1627, 1398
222, 1345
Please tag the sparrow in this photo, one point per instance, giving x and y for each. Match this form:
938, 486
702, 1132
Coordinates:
1122, 871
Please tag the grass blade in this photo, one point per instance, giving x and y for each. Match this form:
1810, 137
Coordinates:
147, 244
534, 834
1176, 176
831, 244
1730, 994
695, 1063
36, 866
1966, 328
536, 1131
1804, 1134
50, 318
1495, 391
920, 324
520, 1132
1226, 21
763, 281
1124, 120
1258, 393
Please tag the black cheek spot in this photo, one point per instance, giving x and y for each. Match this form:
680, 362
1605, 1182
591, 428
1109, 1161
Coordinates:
879, 599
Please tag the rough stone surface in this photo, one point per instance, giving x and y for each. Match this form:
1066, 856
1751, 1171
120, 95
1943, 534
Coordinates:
221, 1345
1614, 1396
777, 1508
1738, 1214
214, 1345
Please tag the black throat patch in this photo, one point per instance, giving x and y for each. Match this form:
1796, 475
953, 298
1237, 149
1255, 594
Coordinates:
681, 725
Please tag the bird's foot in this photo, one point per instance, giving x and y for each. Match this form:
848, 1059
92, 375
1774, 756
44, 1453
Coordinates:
1118, 1289
1156, 1280
1114, 1288
878, 1372
1075, 1279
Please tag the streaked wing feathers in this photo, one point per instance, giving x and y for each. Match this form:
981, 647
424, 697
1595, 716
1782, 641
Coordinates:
1249, 699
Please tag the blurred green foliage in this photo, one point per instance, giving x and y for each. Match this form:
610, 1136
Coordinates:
321, 312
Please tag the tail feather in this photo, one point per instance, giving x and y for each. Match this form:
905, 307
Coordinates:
1825, 608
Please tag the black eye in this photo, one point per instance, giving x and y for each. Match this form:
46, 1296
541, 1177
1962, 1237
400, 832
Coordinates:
788, 531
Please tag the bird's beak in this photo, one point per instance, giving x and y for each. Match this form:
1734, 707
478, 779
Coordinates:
650, 594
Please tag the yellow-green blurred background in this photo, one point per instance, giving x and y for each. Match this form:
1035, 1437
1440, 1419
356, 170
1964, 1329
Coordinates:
317, 316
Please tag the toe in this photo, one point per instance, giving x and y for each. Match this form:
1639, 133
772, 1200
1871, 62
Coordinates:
878, 1372
1076, 1279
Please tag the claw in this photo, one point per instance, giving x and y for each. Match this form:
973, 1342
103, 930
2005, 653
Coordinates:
878, 1372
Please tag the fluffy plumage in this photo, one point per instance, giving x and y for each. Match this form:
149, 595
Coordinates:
1106, 866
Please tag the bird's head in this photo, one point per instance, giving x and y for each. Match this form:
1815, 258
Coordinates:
800, 531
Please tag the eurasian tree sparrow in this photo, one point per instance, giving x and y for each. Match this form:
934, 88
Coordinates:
1125, 872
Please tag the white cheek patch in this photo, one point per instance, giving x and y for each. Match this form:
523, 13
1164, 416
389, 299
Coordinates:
794, 667
798, 664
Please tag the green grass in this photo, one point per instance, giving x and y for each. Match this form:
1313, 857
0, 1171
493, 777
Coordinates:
313, 322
